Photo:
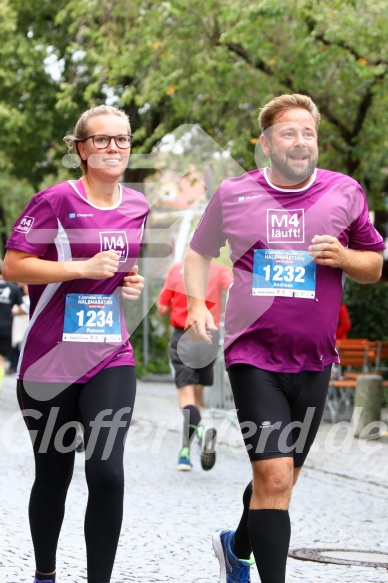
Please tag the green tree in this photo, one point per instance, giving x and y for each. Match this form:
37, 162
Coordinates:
30, 130
214, 63
27, 97
209, 62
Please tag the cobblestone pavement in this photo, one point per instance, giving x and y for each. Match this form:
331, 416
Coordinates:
340, 501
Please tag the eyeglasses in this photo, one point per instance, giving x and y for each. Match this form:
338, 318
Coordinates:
101, 142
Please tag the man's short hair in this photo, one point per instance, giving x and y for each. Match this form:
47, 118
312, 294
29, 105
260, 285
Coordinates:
280, 104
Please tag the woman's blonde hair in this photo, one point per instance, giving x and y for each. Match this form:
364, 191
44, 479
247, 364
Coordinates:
280, 104
81, 130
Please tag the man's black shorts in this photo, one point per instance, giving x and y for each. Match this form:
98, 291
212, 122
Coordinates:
279, 413
192, 361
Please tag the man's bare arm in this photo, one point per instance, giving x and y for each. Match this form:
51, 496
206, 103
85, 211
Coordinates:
196, 269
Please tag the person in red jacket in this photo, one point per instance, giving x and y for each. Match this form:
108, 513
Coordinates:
344, 322
193, 361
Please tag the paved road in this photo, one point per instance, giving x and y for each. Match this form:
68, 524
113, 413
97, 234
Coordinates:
340, 501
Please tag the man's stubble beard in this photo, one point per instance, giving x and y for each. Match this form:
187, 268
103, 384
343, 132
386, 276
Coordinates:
291, 174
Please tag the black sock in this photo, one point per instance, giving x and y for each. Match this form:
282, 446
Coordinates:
192, 418
241, 546
269, 533
42, 577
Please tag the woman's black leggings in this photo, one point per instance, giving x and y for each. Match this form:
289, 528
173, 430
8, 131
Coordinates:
104, 407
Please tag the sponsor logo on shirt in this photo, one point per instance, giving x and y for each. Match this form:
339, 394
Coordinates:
285, 226
25, 224
77, 215
116, 240
241, 198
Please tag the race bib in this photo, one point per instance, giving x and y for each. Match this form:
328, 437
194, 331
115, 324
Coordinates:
92, 318
284, 273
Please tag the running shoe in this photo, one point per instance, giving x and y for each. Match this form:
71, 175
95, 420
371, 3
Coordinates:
232, 569
184, 463
43, 581
208, 454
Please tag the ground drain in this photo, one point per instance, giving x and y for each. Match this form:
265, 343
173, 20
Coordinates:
342, 557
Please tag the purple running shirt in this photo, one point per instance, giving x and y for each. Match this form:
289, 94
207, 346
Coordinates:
282, 309
77, 328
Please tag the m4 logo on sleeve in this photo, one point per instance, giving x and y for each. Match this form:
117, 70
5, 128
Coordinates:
25, 224
115, 240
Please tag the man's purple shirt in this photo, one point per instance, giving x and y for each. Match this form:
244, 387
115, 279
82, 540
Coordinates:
283, 333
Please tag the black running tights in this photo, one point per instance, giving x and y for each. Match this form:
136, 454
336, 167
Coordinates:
104, 407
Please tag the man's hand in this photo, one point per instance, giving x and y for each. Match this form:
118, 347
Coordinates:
133, 285
363, 266
200, 324
327, 250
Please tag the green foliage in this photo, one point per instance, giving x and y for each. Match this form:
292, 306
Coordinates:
30, 130
367, 306
208, 62
27, 94
215, 63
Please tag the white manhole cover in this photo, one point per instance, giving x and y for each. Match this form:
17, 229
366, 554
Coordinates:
342, 557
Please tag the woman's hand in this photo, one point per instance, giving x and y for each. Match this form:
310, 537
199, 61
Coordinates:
102, 266
133, 285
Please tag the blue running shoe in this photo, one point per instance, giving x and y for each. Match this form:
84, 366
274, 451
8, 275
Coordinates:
43, 581
184, 463
232, 569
